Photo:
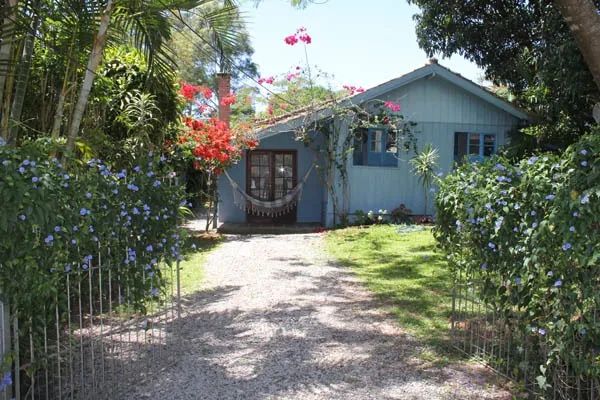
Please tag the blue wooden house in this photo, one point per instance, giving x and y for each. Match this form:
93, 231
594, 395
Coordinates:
458, 117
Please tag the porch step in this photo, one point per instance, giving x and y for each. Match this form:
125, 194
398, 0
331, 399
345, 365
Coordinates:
248, 229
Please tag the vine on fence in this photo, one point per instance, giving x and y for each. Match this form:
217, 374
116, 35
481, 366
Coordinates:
57, 221
529, 233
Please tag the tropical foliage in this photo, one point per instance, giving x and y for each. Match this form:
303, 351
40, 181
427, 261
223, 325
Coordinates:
526, 237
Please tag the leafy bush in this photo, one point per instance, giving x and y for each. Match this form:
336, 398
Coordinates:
401, 215
58, 221
529, 234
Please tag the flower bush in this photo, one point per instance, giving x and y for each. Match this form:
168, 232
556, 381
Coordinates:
59, 222
529, 235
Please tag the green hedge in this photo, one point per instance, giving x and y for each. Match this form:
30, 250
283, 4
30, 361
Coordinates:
529, 235
58, 221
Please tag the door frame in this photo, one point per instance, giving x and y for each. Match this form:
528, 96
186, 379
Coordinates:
288, 218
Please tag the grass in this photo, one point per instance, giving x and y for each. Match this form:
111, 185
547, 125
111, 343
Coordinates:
403, 267
191, 272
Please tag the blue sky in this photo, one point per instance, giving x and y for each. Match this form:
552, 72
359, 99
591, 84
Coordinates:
362, 43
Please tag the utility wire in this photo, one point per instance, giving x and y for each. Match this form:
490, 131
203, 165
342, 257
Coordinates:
229, 59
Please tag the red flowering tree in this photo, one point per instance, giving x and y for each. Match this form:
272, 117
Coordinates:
209, 144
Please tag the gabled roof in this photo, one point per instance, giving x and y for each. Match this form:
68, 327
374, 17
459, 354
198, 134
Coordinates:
291, 121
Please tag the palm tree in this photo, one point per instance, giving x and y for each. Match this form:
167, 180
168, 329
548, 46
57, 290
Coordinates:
424, 165
147, 25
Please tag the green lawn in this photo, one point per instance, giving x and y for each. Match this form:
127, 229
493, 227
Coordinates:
405, 270
191, 266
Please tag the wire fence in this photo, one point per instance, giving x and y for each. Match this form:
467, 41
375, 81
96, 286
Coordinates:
92, 342
513, 349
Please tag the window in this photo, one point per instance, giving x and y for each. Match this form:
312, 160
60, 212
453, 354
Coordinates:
474, 146
375, 147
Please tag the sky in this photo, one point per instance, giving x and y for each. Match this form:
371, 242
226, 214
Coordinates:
362, 43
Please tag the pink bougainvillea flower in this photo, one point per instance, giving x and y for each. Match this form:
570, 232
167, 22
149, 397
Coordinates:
291, 40
353, 89
292, 76
305, 37
269, 80
300, 35
393, 107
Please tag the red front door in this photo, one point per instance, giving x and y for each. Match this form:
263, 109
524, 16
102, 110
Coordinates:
270, 175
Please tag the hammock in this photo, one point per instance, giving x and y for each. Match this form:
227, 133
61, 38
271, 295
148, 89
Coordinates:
273, 208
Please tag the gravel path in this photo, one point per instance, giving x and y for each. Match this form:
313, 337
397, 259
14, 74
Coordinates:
277, 319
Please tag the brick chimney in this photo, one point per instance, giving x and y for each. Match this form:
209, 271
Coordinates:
224, 90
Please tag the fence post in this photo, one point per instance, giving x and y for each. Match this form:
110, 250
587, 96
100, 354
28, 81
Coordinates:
4, 344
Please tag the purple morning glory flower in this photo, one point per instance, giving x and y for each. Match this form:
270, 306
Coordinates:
21, 170
149, 248
585, 199
73, 242
558, 283
35, 179
491, 245
532, 160
550, 273
572, 229
518, 280
542, 331
583, 152
550, 197
84, 212
156, 183
566, 246
22, 217
484, 266
533, 213
49, 239
57, 228
584, 163
26, 162
575, 214
88, 195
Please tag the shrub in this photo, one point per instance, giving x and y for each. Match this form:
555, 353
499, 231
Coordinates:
529, 234
401, 215
58, 221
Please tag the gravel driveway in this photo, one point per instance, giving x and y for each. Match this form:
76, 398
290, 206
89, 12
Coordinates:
277, 319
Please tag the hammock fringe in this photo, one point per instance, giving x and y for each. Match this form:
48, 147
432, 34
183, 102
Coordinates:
273, 208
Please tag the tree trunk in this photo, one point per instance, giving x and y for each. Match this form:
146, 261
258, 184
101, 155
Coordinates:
584, 21
8, 96
6, 48
90, 74
21, 83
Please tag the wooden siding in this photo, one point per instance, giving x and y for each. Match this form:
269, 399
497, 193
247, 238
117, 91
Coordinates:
440, 109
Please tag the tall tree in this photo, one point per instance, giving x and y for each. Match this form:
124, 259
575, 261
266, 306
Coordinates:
200, 51
583, 18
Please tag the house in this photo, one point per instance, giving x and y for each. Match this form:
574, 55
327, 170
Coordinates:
455, 115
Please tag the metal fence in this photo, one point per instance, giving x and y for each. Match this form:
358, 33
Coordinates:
96, 345
502, 342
